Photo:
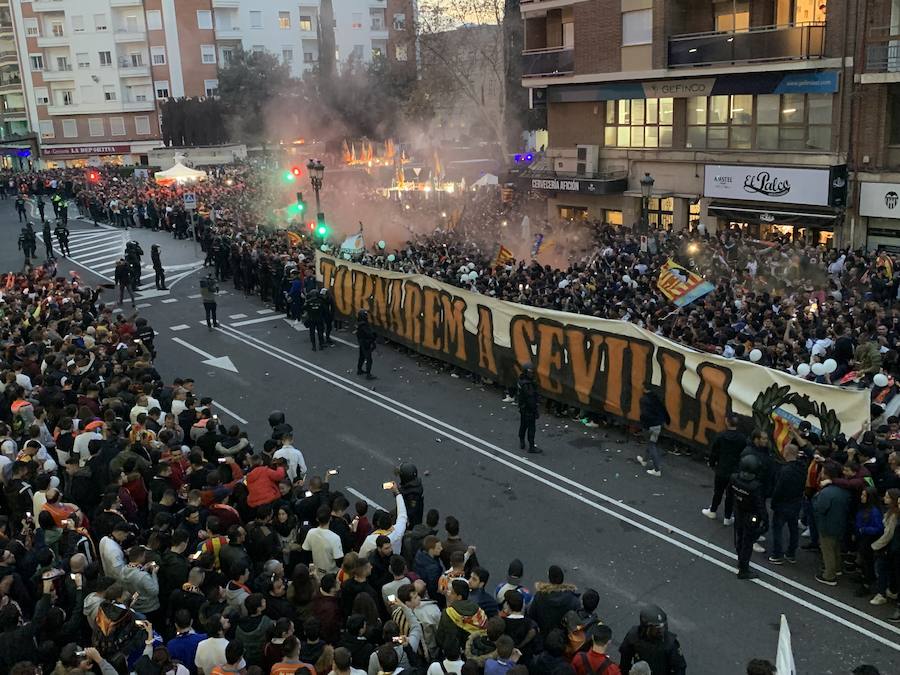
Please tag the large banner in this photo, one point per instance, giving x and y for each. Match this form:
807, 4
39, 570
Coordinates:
593, 363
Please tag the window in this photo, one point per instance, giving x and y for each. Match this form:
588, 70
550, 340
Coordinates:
376, 19
31, 28
95, 126
46, 127
284, 20
377, 52
399, 21
211, 87
255, 19
639, 123
83, 60
661, 212
162, 88
305, 23
400, 52
287, 55
100, 22
56, 29
105, 58
733, 15
356, 20
70, 128
204, 19
62, 64
257, 49
637, 27
309, 57
37, 61
357, 53
66, 97
136, 59
227, 55
110, 93
142, 125
154, 19
78, 24
42, 95
158, 56
207, 53
116, 126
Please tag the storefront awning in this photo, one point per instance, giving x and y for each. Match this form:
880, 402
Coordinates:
785, 214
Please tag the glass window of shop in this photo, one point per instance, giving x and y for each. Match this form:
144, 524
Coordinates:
612, 217
573, 213
779, 122
661, 212
639, 123
732, 15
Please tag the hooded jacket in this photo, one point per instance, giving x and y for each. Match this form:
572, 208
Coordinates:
725, 452
550, 604
459, 620
251, 631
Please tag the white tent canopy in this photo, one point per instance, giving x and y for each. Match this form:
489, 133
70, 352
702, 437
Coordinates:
486, 179
179, 173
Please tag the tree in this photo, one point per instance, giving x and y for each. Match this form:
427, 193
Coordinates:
327, 44
247, 86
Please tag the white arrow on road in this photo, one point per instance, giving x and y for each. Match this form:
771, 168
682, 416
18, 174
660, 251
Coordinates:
223, 362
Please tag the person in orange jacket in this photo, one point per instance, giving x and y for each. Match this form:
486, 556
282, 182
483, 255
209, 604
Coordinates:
262, 482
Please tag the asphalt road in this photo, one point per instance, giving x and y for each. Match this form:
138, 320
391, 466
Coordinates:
585, 504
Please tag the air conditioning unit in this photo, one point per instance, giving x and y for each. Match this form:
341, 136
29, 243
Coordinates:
587, 159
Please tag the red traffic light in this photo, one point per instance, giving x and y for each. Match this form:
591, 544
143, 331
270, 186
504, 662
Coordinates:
92, 176
311, 225
296, 170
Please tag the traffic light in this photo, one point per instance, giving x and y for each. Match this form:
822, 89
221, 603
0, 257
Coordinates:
92, 176
296, 172
312, 226
321, 228
301, 205
289, 177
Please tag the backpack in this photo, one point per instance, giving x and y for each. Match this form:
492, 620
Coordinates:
586, 663
115, 628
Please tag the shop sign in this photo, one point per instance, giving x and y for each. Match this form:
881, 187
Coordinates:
768, 184
879, 200
86, 150
589, 186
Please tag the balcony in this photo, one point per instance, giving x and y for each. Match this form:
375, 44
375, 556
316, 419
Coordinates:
226, 3
46, 6
53, 41
759, 44
7, 57
13, 112
10, 86
543, 5
229, 33
883, 51
126, 3
58, 74
134, 71
548, 62
102, 107
133, 34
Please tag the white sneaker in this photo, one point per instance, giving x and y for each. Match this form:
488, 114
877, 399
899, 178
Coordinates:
878, 600
890, 595
641, 460
591, 424
761, 537
508, 399
728, 522
805, 533
654, 472
759, 549
709, 514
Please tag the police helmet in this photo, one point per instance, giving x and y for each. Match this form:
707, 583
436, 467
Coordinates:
407, 472
750, 465
276, 417
653, 616
362, 315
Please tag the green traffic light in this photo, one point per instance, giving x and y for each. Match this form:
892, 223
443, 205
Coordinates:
301, 207
288, 176
322, 231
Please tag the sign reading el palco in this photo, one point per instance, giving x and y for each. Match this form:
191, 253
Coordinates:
767, 184
879, 200
87, 150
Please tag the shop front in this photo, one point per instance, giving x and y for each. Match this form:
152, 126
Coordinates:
574, 198
782, 204
78, 156
879, 206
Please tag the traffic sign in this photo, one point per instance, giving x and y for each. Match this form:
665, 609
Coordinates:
190, 201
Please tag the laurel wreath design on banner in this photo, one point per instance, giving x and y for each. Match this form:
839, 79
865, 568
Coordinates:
777, 396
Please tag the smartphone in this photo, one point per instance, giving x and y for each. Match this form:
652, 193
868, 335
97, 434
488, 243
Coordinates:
392, 598
221, 460
65, 523
387, 486
195, 556
79, 652
28, 514
137, 342
308, 493
397, 640
72, 577
332, 472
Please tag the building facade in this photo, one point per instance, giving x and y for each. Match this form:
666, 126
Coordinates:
87, 75
764, 113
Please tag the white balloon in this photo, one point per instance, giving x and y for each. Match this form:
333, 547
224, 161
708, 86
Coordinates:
392, 257
324, 247
755, 355
346, 256
473, 275
818, 369
803, 369
381, 244
464, 278
470, 266
626, 278
880, 380
830, 366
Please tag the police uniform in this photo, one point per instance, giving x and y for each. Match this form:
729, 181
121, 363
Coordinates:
749, 512
365, 337
62, 237
314, 320
527, 402
47, 236
160, 272
651, 641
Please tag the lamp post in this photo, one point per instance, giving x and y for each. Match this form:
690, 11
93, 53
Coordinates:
316, 176
646, 190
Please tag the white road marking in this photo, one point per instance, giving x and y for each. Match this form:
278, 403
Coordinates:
194, 296
144, 305
228, 412
360, 495
264, 311
248, 322
181, 326
169, 300
532, 471
223, 362
237, 316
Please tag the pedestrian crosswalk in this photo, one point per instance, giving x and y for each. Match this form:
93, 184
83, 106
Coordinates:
98, 250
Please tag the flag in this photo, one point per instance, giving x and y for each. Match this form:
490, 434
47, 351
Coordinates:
345, 152
536, 248
294, 239
781, 434
438, 169
680, 285
504, 256
885, 261
784, 657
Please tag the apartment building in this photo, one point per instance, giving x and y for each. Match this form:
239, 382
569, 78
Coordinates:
774, 114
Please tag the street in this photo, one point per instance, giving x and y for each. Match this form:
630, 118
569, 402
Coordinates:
586, 504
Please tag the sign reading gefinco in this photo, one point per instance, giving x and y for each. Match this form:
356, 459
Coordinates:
879, 200
767, 184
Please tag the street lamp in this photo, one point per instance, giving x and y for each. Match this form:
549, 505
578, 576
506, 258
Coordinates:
316, 176
646, 190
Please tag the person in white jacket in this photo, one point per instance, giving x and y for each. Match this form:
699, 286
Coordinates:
381, 521
111, 554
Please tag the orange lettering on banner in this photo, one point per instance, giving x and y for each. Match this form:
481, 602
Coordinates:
412, 312
521, 335
672, 364
614, 366
713, 400
454, 326
433, 334
326, 268
395, 308
380, 302
362, 290
343, 291
584, 360
549, 357
486, 358
640, 372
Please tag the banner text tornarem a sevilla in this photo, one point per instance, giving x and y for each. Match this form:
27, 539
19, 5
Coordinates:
594, 363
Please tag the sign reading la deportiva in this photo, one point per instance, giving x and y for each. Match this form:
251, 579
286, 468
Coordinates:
584, 361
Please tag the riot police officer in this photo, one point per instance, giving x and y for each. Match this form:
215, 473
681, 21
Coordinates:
159, 270
133, 253
527, 402
327, 314
749, 511
40, 207
651, 641
28, 242
278, 425
62, 237
47, 236
20, 208
365, 337
314, 321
